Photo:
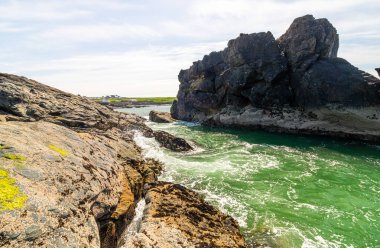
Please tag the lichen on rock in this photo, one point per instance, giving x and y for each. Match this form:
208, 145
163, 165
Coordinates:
10, 195
60, 151
14, 157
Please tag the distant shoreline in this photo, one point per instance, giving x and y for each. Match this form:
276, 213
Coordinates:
137, 102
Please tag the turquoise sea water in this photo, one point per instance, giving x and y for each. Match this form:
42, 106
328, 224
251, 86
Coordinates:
285, 191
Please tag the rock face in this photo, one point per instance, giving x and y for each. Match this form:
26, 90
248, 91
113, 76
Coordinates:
160, 117
300, 71
171, 142
27, 100
177, 217
378, 71
71, 173
71, 182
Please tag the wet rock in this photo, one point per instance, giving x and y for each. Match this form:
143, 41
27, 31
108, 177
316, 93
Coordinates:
178, 217
171, 142
160, 117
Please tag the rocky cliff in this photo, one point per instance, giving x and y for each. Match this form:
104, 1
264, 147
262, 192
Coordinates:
71, 176
294, 84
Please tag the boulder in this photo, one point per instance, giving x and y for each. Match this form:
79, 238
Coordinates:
160, 117
171, 142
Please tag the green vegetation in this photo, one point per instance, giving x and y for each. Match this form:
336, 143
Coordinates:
14, 157
139, 99
60, 151
10, 195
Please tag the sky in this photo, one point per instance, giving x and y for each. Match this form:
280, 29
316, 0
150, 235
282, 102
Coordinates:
137, 47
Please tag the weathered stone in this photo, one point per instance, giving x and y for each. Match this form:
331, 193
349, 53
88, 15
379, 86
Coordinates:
32, 233
72, 167
30, 174
27, 100
309, 39
245, 72
171, 142
177, 217
160, 117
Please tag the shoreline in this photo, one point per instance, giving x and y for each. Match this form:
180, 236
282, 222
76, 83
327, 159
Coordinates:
129, 104
75, 176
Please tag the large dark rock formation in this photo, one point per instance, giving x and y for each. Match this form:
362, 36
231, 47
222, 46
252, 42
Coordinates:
378, 71
300, 70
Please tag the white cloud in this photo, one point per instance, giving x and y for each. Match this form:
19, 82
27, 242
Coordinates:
39, 10
150, 72
138, 47
97, 32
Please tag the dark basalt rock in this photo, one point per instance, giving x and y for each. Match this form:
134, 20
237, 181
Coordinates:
245, 72
307, 40
171, 142
300, 70
378, 71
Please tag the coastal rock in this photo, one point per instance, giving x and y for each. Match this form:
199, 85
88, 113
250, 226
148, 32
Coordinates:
309, 39
73, 181
178, 217
318, 77
171, 142
27, 100
246, 72
160, 117
71, 173
298, 71
378, 71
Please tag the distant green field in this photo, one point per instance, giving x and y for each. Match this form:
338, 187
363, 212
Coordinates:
139, 99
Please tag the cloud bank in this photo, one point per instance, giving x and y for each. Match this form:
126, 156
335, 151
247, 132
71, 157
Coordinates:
136, 48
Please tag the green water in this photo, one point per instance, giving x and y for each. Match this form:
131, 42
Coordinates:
285, 191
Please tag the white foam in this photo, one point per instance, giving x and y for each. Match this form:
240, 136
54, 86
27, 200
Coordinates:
135, 225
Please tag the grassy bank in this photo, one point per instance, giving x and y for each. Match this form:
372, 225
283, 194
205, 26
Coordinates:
139, 99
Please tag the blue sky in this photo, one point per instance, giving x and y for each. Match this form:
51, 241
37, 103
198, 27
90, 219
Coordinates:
136, 48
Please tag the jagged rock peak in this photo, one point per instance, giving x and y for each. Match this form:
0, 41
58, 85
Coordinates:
309, 39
